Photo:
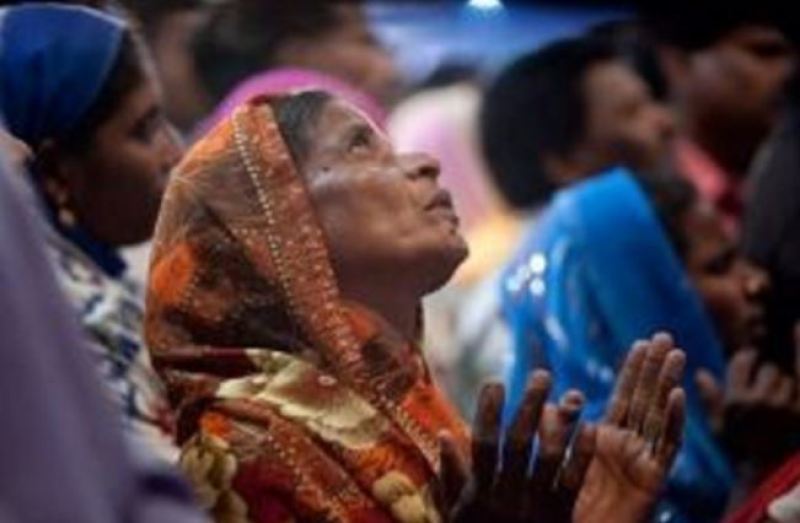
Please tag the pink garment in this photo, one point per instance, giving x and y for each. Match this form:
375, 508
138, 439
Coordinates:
714, 184
276, 81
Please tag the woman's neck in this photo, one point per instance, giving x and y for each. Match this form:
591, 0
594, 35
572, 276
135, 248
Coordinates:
399, 311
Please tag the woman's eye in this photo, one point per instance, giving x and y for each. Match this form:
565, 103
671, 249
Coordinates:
145, 129
359, 141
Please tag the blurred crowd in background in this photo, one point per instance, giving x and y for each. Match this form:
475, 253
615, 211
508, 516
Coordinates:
617, 170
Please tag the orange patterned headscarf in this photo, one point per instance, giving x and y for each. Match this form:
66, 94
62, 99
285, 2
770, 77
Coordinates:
292, 404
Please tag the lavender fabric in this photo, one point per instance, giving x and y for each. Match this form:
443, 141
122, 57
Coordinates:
61, 446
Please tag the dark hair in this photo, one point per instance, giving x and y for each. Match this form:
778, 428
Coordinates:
699, 25
671, 197
536, 107
296, 115
244, 37
637, 47
126, 74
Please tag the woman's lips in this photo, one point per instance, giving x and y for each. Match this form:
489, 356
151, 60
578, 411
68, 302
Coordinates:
442, 203
441, 198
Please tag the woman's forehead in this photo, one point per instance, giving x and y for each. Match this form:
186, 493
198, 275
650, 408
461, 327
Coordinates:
342, 115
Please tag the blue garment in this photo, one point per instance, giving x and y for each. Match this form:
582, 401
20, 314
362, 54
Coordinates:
54, 60
596, 274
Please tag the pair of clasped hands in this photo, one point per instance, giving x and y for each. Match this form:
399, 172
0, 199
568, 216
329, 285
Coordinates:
610, 471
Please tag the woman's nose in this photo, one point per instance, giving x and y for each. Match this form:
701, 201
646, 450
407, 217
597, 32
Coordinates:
421, 165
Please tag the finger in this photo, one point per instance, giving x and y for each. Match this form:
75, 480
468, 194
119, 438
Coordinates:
554, 432
784, 394
455, 472
712, 396
711, 393
671, 437
740, 370
618, 405
486, 435
645, 391
582, 454
767, 381
519, 438
668, 379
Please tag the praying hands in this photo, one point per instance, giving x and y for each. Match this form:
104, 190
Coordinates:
612, 471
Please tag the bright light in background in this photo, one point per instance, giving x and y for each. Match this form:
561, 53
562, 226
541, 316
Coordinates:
485, 5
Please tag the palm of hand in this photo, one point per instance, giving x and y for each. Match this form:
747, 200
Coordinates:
623, 468
624, 457
636, 444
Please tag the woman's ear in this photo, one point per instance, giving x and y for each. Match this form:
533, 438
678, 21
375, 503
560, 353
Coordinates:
61, 176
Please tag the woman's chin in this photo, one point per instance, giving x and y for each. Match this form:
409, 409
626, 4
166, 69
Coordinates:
451, 259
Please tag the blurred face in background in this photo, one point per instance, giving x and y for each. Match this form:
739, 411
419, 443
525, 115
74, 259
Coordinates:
117, 183
349, 51
185, 99
624, 123
732, 289
113, 183
735, 86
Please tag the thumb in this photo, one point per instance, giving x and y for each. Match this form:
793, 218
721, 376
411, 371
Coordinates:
712, 395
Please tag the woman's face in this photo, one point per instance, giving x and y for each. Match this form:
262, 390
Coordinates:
386, 218
732, 288
115, 186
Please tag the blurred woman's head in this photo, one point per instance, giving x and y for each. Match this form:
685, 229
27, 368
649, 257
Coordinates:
332, 37
732, 289
726, 71
565, 112
90, 110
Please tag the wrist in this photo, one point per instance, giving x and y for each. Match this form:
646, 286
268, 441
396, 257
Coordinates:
608, 505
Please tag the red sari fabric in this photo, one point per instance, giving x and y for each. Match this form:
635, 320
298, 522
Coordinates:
778, 484
291, 404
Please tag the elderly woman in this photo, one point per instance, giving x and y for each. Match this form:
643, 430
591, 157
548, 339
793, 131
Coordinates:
89, 110
292, 251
